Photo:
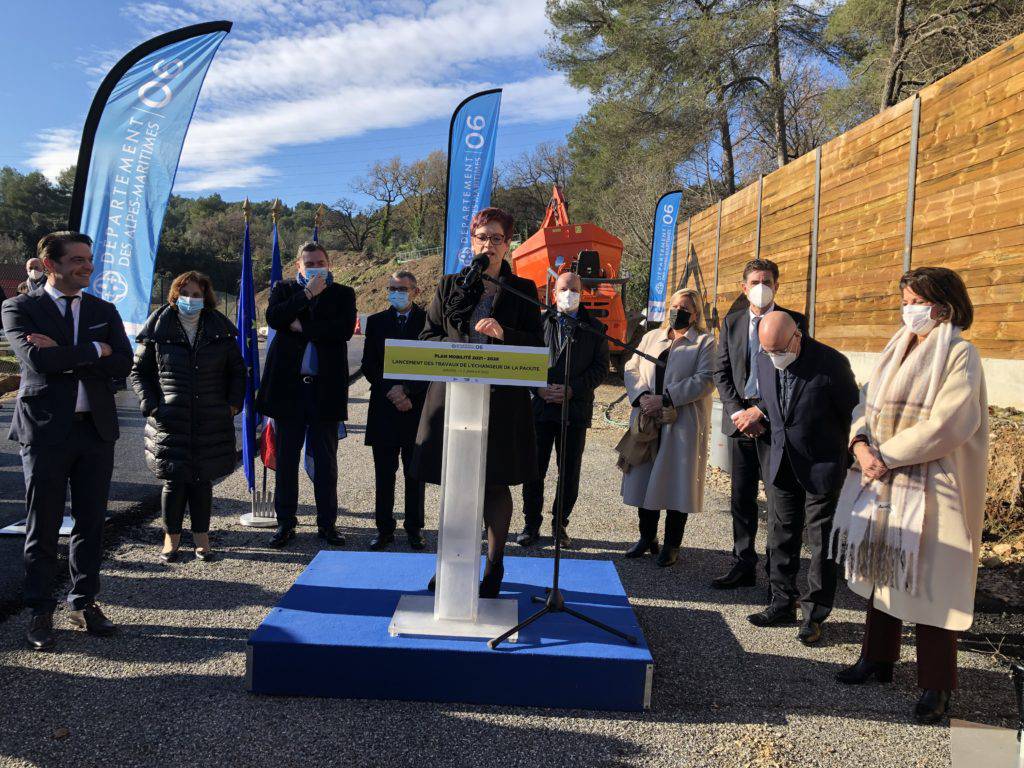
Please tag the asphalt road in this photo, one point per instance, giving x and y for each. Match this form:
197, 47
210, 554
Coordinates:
134, 493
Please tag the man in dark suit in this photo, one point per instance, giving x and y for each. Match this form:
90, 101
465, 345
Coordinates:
808, 392
589, 363
394, 415
71, 346
305, 387
743, 421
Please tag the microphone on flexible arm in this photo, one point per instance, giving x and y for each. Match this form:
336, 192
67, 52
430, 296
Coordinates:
472, 275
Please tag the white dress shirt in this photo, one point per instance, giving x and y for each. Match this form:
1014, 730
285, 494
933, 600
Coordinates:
82, 401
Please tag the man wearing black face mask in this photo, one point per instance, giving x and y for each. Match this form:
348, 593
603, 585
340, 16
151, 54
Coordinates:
808, 393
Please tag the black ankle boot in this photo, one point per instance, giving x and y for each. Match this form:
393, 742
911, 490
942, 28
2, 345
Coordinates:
864, 670
642, 547
932, 706
668, 556
490, 584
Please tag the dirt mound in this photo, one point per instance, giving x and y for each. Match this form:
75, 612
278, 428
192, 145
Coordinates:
1004, 499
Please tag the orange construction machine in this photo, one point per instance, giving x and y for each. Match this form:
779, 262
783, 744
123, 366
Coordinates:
588, 250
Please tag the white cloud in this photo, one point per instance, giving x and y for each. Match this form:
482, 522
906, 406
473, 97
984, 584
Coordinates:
301, 72
230, 178
54, 150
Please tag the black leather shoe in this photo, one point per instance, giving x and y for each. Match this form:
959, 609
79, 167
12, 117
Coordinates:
864, 670
528, 537
332, 537
415, 540
40, 632
92, 620
668, 556
810, 632
738, 576
490, 584
380, 541
565, 542
642, 547
773, 616
169, 557
932, 706
281, 537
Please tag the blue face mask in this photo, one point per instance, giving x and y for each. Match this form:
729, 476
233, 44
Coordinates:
312, 272
190, 306
398, 299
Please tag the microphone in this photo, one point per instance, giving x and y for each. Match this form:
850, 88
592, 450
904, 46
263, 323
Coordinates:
472, 273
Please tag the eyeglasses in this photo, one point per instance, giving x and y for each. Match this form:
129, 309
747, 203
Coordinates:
492, 239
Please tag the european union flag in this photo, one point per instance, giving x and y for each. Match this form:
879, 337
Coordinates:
276, 275
248, 342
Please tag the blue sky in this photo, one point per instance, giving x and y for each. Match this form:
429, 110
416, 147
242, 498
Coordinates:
304, 95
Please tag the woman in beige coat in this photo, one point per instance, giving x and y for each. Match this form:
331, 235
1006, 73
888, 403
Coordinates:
674, 479
908, 524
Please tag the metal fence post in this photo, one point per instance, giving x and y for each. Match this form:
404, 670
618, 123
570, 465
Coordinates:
718, 243
908, 229
760, 192
812, 288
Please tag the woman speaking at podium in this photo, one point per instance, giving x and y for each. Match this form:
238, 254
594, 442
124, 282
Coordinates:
469, 309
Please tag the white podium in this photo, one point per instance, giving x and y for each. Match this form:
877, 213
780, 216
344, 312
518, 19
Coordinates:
455, 609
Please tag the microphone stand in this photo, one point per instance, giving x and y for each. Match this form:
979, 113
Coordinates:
555, 600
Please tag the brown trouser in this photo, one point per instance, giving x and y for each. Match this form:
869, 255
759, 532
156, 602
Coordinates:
936, 648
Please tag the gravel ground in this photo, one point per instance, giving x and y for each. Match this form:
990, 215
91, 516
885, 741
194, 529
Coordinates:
168, 690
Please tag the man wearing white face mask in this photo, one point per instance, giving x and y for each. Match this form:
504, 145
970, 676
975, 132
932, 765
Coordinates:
395, 409
35, 275
743, 420
589, 365
808, 393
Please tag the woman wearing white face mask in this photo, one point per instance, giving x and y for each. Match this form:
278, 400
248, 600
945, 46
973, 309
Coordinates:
908, 525
678, 397
190, 380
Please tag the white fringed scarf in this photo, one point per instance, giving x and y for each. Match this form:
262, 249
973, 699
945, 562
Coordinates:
877, 525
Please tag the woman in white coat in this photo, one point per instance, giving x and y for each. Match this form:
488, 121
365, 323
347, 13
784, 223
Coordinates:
674, 480
908, 524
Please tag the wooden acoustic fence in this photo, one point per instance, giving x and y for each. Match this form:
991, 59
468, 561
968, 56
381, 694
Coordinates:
937, 180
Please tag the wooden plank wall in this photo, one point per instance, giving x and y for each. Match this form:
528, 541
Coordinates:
968, 214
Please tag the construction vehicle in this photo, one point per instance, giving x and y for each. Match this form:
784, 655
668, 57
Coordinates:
593, 253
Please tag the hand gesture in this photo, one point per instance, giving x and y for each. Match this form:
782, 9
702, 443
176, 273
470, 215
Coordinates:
316, 285
490, 327
41, 340
870, 460
396, 394
295, 325
749, 422
404, 405
650, 404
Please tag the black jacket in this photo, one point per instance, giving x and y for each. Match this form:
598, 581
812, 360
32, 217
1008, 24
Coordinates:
731, 369
385, 424
511, 443
187, 394
328, 321
45, 408
589, 366
815, 430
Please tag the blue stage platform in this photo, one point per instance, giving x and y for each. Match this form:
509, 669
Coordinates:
329, 637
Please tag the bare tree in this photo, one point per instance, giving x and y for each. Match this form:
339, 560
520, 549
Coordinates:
386, 182
356, 224
425, 195
537, 171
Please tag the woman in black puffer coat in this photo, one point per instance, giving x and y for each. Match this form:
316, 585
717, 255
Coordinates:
190, 379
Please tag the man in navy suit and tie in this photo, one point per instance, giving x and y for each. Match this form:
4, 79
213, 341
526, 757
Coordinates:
808, 392
71, 347
394, 414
